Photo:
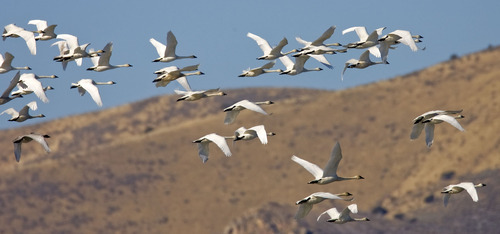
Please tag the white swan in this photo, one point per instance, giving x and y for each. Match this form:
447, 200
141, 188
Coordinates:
76, 52
344, 216
28, 138
5, 64
329, 173
317, 48
393, 38
101, 62
168, 74
29, 81
365, 40
23, 114
429, 126
306, 204
89, 85
361, 63
418, 124
269, 52
5, 95
254, 132
63, 51
167, 53
297, 67
25, 91
260, 70
457, 188
205, 140
46, 32
12, 30
233, 110
197, 95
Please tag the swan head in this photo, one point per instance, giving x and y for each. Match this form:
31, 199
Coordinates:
358, 177
345, 194
314, 181
74, 85
49, 87
480, 185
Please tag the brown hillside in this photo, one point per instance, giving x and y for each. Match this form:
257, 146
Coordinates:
133, 169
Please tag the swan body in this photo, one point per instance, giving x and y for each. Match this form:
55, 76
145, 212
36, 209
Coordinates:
46, 32
167, 52
5, 63
344, 216
297, 67
260, 70
204, 141
418, 122
30, 82
62, 45
329, 173
90, 86
76, 52
197, 95
361, 63
317, 48
25, 91
14, 31
171, 73
365, 41
457, 188
5, 95
306, 204
23, 114
233, 110
26, 139
101, 62
269, 52
393, 38
254, 132
429, 126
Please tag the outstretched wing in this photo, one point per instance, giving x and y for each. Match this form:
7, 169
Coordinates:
316, 171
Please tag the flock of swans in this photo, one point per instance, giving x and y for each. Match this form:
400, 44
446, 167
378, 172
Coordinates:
373, 44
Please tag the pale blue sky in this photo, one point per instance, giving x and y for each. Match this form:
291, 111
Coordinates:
215, 31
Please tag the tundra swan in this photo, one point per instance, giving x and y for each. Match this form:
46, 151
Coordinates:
365, 40
329, 173
270, 53
233, 110
297, 67
418, 124
63, 50
393, 38
5, 95
167, 53
168, 74
361, 63
197, 95
429, 125
306, 204
101, 62
23, 114
29, 81
317, 48
76, 52
205, 140
260, 70
89, 85
5, 64
25, 91
457, 188
46, 32
344, 216
12, 30
28, 138
249, 134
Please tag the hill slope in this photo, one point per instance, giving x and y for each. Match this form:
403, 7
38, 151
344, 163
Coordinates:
133, 169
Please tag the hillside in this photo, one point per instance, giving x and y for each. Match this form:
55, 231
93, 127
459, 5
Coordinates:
133, 169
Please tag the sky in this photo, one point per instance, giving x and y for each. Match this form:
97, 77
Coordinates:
215, 31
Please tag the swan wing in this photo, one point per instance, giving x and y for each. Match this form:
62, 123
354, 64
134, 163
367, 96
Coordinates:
25, 109
446, 199
11, 111
12, 84
469, 187
251, 106
279, 47
94, 59
203, 151
40, 139
171, 45
365, 56
326, 195
263, 44
8, 60
375, 51
406, 39
345, 214
451, 120
71, 40
347, 64
429, 134
321, 58
32, 83
190, 68
160, 48
261, 133
316, 171
29, 37
302, 41
416, 130
17, 149
268, 65
303, 210
184, 83
327, 34
384, 50
333, 213
287, 62
93, 91
231, 116
360, 31
106, 55
40, 24
220, 142
353, 208
333, 162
